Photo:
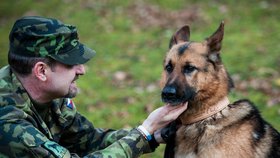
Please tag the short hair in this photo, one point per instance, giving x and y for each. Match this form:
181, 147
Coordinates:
23, 65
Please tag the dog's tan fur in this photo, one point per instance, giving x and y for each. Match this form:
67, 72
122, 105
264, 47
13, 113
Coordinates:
236, 131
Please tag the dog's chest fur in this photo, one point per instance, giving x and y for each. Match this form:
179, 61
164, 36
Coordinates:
225, 134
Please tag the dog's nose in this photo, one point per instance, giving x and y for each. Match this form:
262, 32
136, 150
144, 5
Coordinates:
169, 93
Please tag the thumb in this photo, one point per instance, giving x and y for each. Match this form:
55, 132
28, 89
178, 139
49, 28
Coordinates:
178, 110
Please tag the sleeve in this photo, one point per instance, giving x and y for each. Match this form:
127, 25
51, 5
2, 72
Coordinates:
82, 138
19, 138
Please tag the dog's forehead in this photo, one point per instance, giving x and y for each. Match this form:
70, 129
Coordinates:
187, 51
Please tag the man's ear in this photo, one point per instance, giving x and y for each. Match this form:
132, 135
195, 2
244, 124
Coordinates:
181, 35
39, 70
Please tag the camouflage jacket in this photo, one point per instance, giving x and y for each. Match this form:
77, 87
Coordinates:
60, 132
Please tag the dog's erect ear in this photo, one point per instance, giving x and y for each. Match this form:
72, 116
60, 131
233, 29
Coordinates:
182, 35
215, 44
215, 41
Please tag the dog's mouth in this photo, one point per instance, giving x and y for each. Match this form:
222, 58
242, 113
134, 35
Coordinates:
174, 102
171, 95
177, 104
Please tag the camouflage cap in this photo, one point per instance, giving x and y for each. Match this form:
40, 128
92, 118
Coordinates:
34, 36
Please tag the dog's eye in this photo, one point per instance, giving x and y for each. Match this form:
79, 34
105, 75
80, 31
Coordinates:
169, 68
189, 69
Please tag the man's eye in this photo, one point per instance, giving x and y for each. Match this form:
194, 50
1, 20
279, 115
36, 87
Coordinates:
69, 66
169, 68
189, 69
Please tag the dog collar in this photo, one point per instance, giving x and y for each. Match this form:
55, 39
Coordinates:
204, 113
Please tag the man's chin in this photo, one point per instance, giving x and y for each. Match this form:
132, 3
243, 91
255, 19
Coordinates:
72, 93
70, 96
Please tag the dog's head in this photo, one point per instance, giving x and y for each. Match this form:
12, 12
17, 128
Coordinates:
193, 71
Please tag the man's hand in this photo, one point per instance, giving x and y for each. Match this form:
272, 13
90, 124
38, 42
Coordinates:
162, 116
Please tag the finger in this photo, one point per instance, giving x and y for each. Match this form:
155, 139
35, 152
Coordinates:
174, 113
172, 108
169, 107
181, 109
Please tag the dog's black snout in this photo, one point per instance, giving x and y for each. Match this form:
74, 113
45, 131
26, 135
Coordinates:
174, 94
169, 93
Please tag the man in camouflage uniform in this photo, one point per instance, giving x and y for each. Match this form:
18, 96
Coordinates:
37, 116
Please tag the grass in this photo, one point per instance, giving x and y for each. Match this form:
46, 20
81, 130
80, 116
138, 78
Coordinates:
132, 37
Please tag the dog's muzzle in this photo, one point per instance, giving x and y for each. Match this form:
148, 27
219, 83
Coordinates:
171, 94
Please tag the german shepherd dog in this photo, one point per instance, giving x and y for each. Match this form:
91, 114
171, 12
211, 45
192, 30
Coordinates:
211, 127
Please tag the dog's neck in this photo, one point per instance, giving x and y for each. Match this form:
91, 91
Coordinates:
203, 112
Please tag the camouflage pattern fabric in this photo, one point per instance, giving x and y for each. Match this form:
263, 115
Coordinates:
56, 131
34, 36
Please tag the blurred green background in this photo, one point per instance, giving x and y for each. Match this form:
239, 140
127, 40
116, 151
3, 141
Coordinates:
121, 86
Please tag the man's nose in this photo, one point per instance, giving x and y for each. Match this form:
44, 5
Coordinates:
80, 69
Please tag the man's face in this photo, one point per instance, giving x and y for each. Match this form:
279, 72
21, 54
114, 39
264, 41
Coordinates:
62, 80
